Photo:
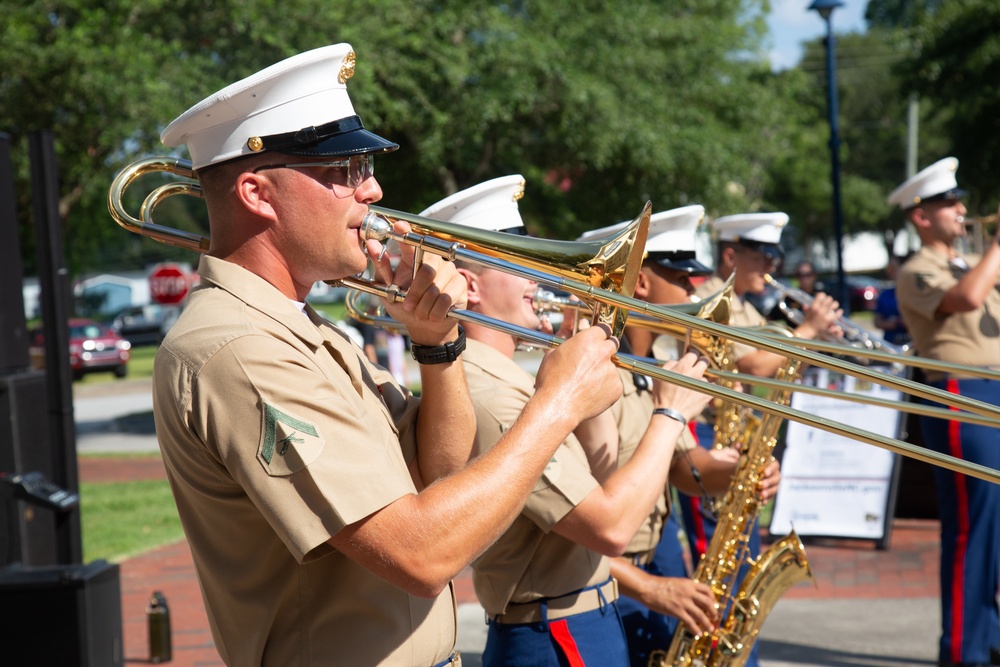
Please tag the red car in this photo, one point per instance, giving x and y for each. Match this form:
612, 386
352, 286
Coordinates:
93, 348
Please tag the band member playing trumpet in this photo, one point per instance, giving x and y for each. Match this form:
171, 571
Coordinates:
326, 508
952, 308
546, 584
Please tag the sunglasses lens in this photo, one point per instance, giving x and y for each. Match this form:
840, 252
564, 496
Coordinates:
360, 169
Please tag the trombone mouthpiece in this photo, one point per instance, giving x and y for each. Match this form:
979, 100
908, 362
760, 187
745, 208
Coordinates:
375, 227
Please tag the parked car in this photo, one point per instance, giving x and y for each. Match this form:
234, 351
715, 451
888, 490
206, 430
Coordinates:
862, 291
93, 348
145, 325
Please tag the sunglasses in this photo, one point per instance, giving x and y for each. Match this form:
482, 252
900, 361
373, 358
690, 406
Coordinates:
350, 172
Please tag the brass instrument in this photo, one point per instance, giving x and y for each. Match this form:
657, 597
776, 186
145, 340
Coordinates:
783, 565
852, 331
981, 231
603, 272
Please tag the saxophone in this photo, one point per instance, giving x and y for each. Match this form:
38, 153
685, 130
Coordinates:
783, 565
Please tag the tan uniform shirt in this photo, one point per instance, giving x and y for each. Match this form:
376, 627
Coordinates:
971, 338
529, 561
632, 414
276, 434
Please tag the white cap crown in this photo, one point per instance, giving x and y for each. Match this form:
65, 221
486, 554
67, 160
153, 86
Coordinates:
302, 97
756, 227
491, 205
931, 183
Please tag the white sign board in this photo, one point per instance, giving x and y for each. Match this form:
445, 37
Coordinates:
832, 485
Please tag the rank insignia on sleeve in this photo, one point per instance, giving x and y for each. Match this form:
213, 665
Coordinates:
288, 444
921, 281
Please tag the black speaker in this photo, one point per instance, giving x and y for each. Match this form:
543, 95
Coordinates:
13, 327
28, 534
61, 616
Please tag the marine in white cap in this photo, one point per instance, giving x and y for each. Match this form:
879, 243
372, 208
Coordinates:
546, 583
747, 245
657, 589
951, 305
301, 472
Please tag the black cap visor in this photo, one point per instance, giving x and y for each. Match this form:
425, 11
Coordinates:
346, 136
948, 195
770, 250
680, 261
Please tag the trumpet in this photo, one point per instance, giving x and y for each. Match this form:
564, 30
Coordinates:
603, 272
979, 232
859, 337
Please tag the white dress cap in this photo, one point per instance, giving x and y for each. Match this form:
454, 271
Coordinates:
298, 106
934, 183
491, 205
754, 227
670, 241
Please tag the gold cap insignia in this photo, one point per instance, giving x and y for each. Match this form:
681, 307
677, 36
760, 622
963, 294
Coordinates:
519, 193
255, 144
347, 68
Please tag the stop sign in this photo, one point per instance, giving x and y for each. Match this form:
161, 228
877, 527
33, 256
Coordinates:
168, 284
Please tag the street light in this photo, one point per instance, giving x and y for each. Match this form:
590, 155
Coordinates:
825, 9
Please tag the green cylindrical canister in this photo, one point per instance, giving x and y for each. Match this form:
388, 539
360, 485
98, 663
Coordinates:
158, 616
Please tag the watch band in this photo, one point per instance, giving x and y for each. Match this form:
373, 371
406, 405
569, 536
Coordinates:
673, 414
439, 354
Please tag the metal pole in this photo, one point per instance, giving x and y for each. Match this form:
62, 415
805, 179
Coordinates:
838, 214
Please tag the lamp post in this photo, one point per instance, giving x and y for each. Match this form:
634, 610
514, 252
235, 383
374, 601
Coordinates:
825, 9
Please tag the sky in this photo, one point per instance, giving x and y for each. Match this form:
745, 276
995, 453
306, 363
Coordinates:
792, 22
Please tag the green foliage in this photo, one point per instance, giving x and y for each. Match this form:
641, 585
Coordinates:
899, 13
955, 70
600, 109
123, 519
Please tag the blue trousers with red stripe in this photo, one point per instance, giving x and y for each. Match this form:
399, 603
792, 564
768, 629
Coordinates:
970, 530
646, 630
700, 527
591, 639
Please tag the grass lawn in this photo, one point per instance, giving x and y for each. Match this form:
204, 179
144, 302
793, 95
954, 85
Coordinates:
122, 519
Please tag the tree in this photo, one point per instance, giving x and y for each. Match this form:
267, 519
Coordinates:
954, 70
598, 108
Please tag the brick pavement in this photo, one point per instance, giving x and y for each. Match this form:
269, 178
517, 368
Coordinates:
842, 569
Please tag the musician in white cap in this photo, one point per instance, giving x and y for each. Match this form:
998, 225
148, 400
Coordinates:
546, 584
302, 473
747, 245
951, 305
656, 586
747, 248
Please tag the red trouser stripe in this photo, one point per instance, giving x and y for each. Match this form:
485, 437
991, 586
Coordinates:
700, 539
560, 632
962, 543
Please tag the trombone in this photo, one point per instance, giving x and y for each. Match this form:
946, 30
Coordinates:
603, 272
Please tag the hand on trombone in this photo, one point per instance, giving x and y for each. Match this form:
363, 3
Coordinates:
688, 403
432, 290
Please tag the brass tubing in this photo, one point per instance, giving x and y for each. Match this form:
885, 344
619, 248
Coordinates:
612, 267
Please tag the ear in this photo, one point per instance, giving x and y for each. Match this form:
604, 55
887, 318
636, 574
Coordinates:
728, 257
473, 286
642, 285
254, 192
918, 216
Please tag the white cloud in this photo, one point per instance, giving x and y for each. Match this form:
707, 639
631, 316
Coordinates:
791, 23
